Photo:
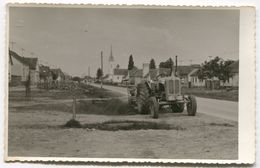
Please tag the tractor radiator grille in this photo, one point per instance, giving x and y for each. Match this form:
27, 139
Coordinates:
177, 86
170, 84
174, 86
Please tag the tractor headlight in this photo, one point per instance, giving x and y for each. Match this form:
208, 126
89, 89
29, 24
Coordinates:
171, 97
179, 97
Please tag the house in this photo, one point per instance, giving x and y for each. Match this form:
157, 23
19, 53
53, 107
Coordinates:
87, 80
134, 76
57, 78
234, 80
153, 73
57, 75
67, 77
185, 71
118, 75
34, 69
45, 76
19, 69
194, 79
9, 68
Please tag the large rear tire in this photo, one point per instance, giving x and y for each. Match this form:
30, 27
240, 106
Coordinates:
142, 99
154, 107
192, 106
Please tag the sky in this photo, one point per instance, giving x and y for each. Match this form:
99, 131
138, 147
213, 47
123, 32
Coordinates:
73, 38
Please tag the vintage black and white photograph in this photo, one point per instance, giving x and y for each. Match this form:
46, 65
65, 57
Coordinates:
122, 82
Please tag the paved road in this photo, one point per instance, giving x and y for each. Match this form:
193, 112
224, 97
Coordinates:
218, 108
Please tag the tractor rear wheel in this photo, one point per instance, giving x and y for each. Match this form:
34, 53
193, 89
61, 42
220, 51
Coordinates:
192, 106
178, 107
142, 99
154, 107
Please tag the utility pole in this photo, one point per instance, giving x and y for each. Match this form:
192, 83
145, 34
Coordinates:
12, 45
101, 84
89, 71
176, 64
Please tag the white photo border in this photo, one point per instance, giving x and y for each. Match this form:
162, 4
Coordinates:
247, 90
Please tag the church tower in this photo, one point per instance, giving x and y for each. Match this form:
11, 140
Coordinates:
111, 62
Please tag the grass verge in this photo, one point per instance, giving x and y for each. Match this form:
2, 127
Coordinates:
213, 94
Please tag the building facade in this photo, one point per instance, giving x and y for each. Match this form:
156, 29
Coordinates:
19, 70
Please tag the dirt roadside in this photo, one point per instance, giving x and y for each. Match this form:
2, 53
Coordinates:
39, 132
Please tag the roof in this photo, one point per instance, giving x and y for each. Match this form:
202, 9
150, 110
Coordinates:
105, 77
195, 72
165, 71
85, 77
43, 68
136, 73
57, 71
154, 72
18, 57
185, 70
10, 60
121, 72
234, 67
31, 62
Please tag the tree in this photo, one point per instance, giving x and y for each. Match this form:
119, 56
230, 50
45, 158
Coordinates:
201, 74
130, 62
167, 64
216, 67
212, 68
76, 78
225, 70
117, 66
152, 64
54, 76
99, 73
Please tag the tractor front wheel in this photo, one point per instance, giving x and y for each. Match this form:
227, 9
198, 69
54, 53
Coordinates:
192, 106
154, 107
178, 107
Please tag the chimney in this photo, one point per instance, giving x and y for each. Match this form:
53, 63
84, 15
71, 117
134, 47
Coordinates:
145, 68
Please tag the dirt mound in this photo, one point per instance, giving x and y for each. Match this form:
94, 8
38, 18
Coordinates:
115, 125
73, 124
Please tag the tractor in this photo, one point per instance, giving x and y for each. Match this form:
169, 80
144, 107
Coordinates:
149, 96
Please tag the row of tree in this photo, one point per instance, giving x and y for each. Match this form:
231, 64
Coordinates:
167, 64
216, 67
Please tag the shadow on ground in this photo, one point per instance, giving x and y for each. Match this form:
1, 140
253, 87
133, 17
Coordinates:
116, 125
